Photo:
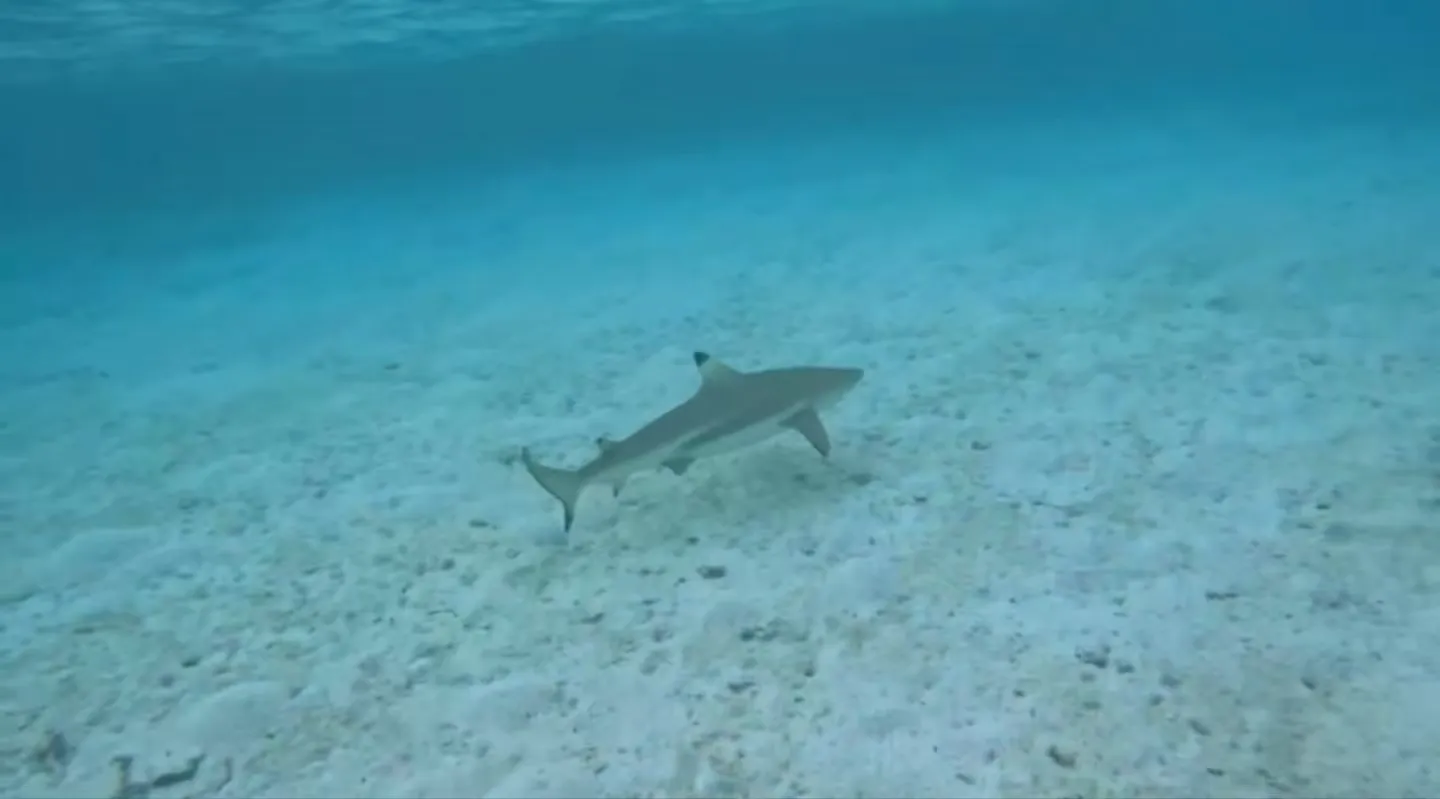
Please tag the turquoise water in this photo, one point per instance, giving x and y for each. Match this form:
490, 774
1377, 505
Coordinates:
1140, 494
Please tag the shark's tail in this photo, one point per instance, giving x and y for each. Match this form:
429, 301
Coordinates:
563, 484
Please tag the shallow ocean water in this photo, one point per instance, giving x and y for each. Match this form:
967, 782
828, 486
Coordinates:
1140, 495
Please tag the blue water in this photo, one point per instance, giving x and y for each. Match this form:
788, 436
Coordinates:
1140, 494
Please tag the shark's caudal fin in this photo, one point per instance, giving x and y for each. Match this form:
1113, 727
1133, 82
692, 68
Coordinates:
563, 484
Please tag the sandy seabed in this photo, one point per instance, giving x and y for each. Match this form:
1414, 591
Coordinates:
1140, 495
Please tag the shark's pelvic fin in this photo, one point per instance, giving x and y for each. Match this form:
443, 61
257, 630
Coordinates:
605, 445
713, 372
807, 423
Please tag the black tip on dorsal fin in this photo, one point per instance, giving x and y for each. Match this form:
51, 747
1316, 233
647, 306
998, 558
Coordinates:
713, 371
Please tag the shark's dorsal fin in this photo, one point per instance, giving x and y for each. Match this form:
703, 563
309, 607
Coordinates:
714, 372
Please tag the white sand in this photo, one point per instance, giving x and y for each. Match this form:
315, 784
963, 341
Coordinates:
1141, 495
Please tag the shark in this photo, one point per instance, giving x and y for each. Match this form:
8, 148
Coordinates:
731, 409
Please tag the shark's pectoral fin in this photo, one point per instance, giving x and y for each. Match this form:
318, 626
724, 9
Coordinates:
604, 443
616, 487
678, 465
807, 423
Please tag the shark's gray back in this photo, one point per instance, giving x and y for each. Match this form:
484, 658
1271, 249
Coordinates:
720, 409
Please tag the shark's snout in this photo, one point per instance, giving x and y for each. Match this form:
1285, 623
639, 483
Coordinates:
842, 379
838, 382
